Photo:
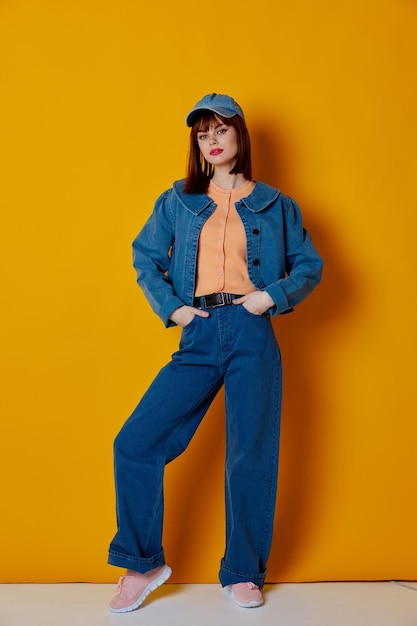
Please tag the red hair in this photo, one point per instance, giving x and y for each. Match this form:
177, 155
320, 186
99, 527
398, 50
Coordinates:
199, 172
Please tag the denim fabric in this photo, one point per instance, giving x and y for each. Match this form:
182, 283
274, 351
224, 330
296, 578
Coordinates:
281, 258
238, 349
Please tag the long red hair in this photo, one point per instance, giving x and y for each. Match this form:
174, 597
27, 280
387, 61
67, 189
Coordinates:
199, 172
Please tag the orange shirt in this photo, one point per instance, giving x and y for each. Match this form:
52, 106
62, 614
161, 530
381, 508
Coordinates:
221, 260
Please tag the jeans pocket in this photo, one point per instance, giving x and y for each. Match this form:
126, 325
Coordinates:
254, 315
190, 322
187, 333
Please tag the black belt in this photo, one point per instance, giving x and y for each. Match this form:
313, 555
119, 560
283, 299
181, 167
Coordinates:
214, 300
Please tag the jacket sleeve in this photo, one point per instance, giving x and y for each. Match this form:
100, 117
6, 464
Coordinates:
303, 265
152, 259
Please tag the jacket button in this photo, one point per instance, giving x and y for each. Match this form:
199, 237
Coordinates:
256, 262
255, 231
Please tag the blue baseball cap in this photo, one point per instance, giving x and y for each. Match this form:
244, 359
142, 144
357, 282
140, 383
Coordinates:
218, 103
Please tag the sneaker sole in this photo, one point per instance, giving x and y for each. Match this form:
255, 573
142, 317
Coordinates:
154, 584
250, 605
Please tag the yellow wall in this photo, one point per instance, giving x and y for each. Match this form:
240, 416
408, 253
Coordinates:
93, 98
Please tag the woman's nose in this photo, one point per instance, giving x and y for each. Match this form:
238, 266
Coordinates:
213, 139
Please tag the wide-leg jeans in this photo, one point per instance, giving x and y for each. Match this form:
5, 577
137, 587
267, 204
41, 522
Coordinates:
237, 349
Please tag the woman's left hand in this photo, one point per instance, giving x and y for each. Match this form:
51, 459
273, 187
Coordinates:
256, 302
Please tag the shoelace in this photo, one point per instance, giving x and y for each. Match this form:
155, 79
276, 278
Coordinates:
123, 584
248, 585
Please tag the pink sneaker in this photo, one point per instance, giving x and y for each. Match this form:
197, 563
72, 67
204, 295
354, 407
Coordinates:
247, 595
134, 588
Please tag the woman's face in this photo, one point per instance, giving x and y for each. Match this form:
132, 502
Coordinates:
218, 144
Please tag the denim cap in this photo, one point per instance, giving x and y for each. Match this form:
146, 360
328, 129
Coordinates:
218, 103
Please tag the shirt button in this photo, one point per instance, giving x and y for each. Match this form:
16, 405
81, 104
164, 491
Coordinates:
255, 231
256, 262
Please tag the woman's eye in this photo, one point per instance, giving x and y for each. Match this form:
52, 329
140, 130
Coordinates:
221, 131
202, 137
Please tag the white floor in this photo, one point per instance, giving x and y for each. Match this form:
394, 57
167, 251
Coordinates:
307, 604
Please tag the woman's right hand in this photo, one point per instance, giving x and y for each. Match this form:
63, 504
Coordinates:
184, 315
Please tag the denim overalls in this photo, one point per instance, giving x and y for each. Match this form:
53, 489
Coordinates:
232, 347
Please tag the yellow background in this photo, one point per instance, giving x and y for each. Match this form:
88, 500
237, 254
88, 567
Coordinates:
92, 106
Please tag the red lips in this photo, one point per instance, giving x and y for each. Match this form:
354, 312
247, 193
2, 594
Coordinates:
216, 151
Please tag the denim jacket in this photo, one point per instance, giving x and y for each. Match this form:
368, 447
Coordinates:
281, 258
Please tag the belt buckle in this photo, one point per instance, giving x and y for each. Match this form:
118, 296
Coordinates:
227, 299
220, 299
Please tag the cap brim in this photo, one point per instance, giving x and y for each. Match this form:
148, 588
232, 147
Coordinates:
223, 112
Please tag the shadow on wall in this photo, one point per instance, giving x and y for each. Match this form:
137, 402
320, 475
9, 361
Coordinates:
300, 335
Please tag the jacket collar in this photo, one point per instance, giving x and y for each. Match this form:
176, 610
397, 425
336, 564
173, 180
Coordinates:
261, 197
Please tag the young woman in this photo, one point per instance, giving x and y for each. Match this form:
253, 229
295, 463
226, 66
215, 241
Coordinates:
219, 256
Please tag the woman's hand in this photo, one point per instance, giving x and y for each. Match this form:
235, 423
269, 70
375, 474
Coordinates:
184, 315
256, 302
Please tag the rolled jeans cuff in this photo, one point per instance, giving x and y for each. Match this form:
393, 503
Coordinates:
137, 564
228, 576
